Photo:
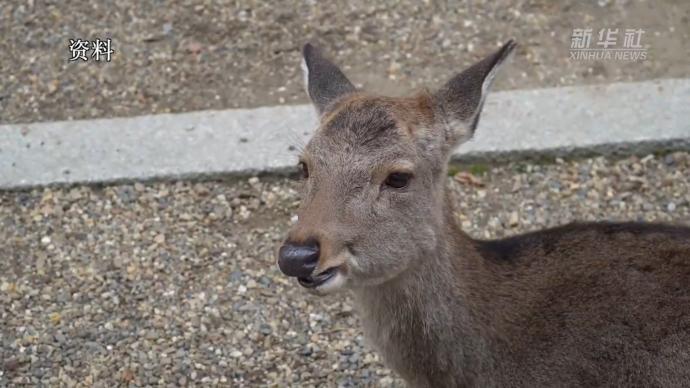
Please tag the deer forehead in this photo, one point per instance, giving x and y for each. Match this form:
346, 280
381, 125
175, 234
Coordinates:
370, 125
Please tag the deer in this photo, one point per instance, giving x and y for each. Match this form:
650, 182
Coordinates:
578, 305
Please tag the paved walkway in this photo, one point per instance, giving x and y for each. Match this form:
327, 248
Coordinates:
601, 119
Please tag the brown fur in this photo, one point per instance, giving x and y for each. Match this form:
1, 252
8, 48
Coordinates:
582, 305
579, 305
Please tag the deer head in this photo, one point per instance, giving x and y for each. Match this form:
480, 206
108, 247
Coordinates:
373, 203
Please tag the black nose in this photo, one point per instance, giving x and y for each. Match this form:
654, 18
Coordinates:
298, 259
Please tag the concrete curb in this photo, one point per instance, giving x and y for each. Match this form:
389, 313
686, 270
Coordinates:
624, 117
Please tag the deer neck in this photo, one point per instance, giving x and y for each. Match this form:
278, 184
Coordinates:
427, 303
435, 280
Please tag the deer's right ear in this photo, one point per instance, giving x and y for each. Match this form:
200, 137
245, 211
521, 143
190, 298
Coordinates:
324, 81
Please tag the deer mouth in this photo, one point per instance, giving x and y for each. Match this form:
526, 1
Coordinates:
319, 279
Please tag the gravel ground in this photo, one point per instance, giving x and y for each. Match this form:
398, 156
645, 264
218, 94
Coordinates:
176, 284
196, 54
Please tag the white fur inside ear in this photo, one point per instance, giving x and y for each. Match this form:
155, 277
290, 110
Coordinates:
486, 85
305, 74
489, 80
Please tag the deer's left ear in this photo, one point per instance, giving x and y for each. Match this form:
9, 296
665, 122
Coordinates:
324, 81
460, 100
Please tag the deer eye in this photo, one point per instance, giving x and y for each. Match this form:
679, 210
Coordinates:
304, 169
398, 180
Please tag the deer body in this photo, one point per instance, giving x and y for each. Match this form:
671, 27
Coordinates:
539, 311
595, 304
